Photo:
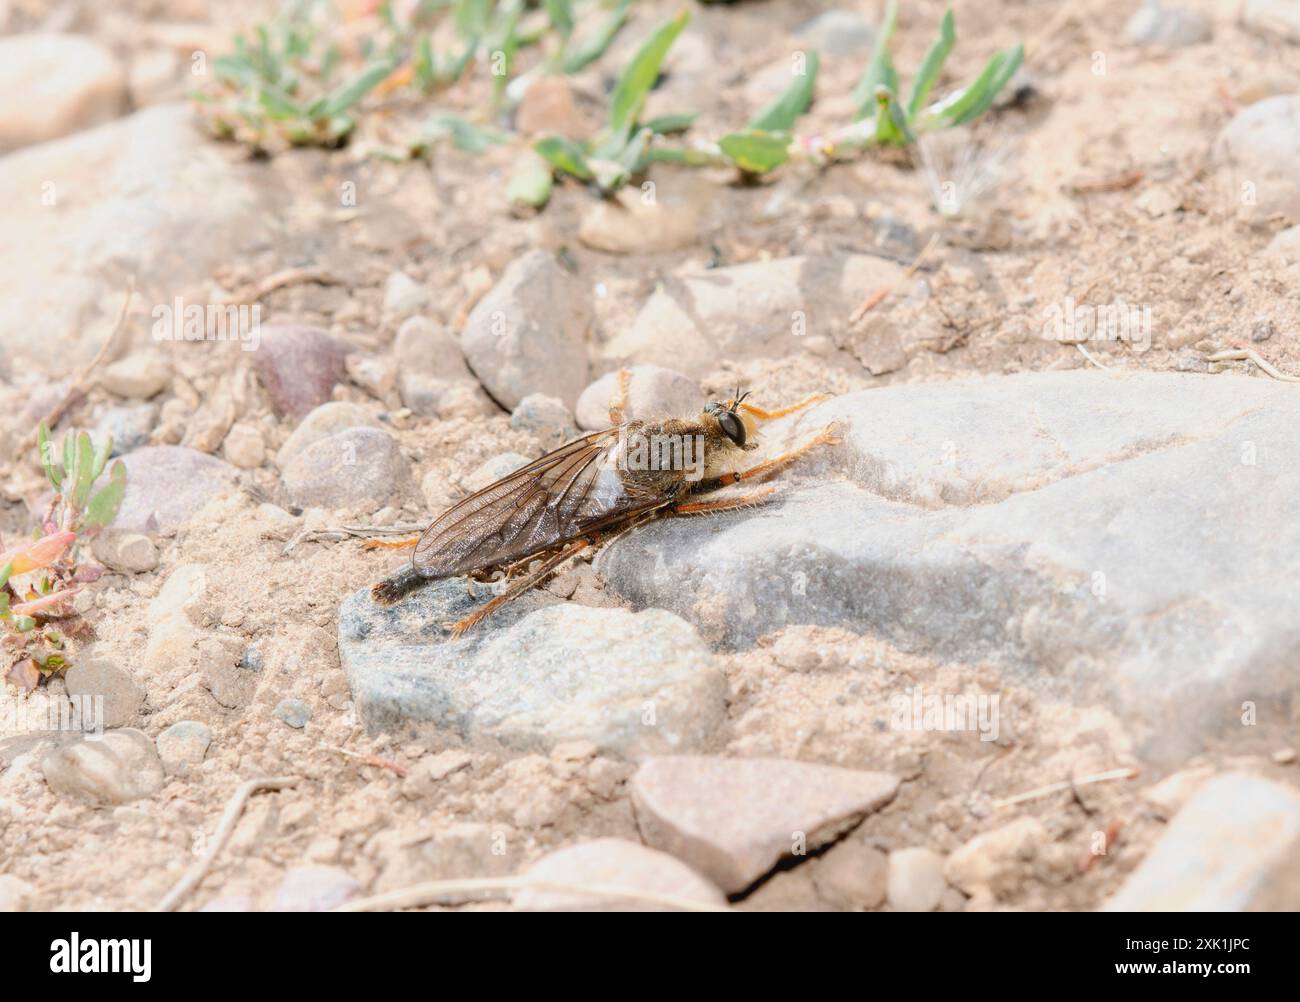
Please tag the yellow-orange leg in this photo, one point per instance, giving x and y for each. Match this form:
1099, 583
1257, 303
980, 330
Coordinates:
518, 588
390, 544
764, 415
825, 437
618, 403
723, 504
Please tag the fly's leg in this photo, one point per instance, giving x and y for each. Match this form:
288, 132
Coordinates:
723, 504
618, 403
826, 436
764, 415
518, 588
390, 544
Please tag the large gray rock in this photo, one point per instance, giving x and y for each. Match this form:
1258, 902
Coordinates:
147, 196
1234, 847
535, 675
1115, 538
528, 334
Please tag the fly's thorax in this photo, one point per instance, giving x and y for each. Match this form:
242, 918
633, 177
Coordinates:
661, 451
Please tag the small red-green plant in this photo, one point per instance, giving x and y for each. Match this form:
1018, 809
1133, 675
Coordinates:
40, 577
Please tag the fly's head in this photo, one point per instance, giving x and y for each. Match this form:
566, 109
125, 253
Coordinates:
736, 428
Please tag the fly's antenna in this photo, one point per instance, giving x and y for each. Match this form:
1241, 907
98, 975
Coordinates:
739, 399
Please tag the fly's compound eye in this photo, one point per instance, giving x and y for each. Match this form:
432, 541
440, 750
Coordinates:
732, 427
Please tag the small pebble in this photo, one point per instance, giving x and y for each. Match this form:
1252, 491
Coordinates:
183, 744
293, 712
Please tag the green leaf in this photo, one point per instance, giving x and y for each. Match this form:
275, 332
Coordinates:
561, 14
24, 624
969, 103
85, 470
276, 103
423, 66
880, 71
932, 64
69, 456
5, 571
101, 457
52, 473
464, 135
565, 155
594, 47
104, 505
350, 93
891, 123
472, 17
780, 115
756, 151
457, 67
631, 157
682, 155
4, 603
667, 124
640, 75
531, 182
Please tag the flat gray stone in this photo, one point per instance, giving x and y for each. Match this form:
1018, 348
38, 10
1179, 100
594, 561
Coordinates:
325, 420
1234, 847
733, 819
528, 333
534, 675
167, 484
350, 467
115, 695
1113, 537
614, 862
119, 767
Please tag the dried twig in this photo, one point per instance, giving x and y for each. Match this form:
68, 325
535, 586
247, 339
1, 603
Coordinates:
1242, 354
1086, 354
81, 385
1115, 182
435, 890
883, 293
375, 760
1069, 784
229, 818
280, 280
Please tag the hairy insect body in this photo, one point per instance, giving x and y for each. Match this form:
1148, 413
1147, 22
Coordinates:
586, 491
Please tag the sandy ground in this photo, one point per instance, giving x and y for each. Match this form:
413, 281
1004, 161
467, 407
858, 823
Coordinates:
1171, 239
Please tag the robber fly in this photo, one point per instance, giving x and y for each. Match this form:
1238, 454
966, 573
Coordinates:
588, 491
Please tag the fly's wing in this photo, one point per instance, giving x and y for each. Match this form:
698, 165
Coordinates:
550, 501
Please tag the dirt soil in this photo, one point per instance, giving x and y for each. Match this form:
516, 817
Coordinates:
1167, 235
